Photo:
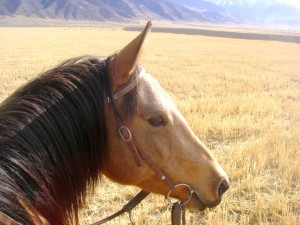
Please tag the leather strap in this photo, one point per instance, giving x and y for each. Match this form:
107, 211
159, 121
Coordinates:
133, 145
175, 215
183, 208
153, 166
126, 208
178, 213
126, 135
137, 153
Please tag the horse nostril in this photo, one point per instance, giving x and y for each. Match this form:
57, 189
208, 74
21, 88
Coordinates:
223, 187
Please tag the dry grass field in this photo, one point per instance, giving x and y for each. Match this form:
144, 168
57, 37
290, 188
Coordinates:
241, 97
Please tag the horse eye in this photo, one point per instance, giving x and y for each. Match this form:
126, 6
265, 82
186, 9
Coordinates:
157, 121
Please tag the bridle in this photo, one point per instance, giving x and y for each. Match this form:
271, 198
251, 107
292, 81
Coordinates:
177, 208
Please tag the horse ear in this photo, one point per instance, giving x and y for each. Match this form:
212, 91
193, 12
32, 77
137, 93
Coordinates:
123, 64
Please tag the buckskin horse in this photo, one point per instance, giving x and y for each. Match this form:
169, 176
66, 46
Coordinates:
87, 117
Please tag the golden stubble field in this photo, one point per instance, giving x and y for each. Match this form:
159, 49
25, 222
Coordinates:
241, 97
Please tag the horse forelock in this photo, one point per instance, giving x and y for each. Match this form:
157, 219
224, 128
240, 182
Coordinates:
53, 141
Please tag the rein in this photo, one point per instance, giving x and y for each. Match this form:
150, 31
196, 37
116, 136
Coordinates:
177, 208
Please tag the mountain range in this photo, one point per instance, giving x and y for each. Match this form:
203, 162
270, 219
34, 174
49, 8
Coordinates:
215, 11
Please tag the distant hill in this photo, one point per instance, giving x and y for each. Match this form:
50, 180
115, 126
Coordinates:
111, 10
218, 11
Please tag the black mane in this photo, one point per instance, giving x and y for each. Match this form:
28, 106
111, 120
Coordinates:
53, 141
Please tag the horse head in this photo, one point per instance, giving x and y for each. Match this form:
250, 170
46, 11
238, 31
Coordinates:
161, 134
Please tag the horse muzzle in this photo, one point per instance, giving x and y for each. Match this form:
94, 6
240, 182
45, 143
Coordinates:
197, 202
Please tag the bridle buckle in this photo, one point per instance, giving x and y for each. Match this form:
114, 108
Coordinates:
125, 133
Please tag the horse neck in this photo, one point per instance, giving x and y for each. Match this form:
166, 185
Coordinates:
54, 132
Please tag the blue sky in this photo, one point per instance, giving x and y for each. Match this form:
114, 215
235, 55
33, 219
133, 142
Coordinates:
292, 2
